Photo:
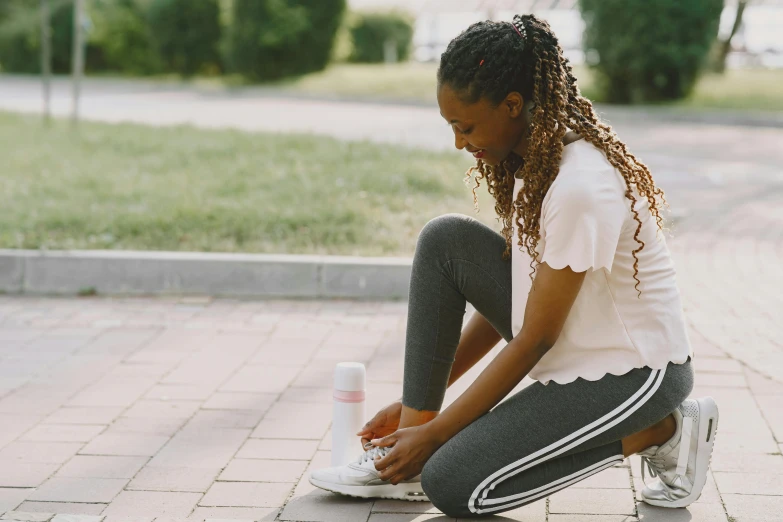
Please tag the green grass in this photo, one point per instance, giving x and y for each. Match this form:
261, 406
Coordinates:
135, 187
737, 89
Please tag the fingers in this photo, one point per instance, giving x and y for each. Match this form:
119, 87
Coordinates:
385, 462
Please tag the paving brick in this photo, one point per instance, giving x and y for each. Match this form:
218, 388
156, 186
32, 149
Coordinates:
587, 518
322, 459
744, 442
747, 462
216, 514
10, 498
261, 470
395, 506
200, 448
226, 419
23, 516
77, 518
67, 489
261, 379
40, 452
399, 517
278, 449
721, 380
89, 466
68, 508
165, 427
174, 479
592, 501
322, 395
247, 494
163, 409
152, 503
180, 392
323, 506
773, 413
62, 433
294, 420
693, 513
240, 401
750, 483
754, 508
83, 415
761, 385
124, 444
20, 474
113, 518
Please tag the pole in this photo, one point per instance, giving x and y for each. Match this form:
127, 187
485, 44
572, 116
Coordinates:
46, 59
78, 55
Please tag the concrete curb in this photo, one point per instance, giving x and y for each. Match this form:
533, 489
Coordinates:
123, 272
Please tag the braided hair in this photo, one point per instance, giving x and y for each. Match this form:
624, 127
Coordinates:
525, 57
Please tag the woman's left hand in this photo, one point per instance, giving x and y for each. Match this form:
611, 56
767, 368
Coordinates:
412, 449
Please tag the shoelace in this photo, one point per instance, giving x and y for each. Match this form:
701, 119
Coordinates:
371, 453
655, 464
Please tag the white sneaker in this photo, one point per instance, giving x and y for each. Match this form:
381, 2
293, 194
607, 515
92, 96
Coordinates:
360, 479
681, 463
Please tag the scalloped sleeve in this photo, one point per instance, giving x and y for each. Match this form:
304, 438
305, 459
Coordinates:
582, 219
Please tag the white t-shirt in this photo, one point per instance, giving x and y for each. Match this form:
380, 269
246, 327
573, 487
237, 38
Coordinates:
587, 224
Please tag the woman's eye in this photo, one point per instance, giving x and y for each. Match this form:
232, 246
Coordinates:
467, 131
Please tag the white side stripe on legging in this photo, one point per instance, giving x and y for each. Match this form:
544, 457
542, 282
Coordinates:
550, 488
609, 420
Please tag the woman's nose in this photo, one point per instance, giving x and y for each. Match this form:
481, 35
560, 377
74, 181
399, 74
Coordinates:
459, 141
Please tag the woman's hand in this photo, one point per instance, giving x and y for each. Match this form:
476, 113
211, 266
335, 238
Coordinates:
384, 423
413, 447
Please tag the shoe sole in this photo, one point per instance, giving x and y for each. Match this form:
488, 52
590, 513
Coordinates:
402, 491
708, 429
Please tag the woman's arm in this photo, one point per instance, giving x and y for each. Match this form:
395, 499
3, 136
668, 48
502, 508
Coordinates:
548, 305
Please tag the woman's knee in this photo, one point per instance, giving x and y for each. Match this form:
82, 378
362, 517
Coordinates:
439, 483
446, 229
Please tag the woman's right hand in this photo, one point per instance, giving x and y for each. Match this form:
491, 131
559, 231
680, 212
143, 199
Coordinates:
385, 422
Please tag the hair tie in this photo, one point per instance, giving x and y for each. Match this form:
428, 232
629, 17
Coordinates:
519, 26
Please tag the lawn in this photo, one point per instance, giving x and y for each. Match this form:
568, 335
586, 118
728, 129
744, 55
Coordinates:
757, 89
135, 187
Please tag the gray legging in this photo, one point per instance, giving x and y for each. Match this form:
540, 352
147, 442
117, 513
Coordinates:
539, 440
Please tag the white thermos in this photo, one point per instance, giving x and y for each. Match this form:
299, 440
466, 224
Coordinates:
348, 413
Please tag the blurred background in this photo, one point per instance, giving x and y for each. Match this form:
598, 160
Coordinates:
310, 126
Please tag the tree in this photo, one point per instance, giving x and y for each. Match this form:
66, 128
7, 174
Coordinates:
272, 39
649, 51
723, 47
187, 33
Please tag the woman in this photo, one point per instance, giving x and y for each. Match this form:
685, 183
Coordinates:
587, 301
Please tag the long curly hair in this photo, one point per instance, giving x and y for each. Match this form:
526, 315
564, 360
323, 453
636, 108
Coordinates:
525, 57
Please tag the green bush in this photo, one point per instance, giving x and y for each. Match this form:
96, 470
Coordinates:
648, 51
20, 36
186, 34
371, 30
273, 39
121, 39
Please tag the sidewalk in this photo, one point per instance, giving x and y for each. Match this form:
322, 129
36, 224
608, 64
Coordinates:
167, 410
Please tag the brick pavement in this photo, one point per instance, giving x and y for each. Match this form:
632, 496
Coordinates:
171, 409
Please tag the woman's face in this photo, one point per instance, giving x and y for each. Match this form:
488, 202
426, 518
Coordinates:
489, 133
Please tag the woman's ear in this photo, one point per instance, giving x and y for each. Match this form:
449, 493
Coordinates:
514, 103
